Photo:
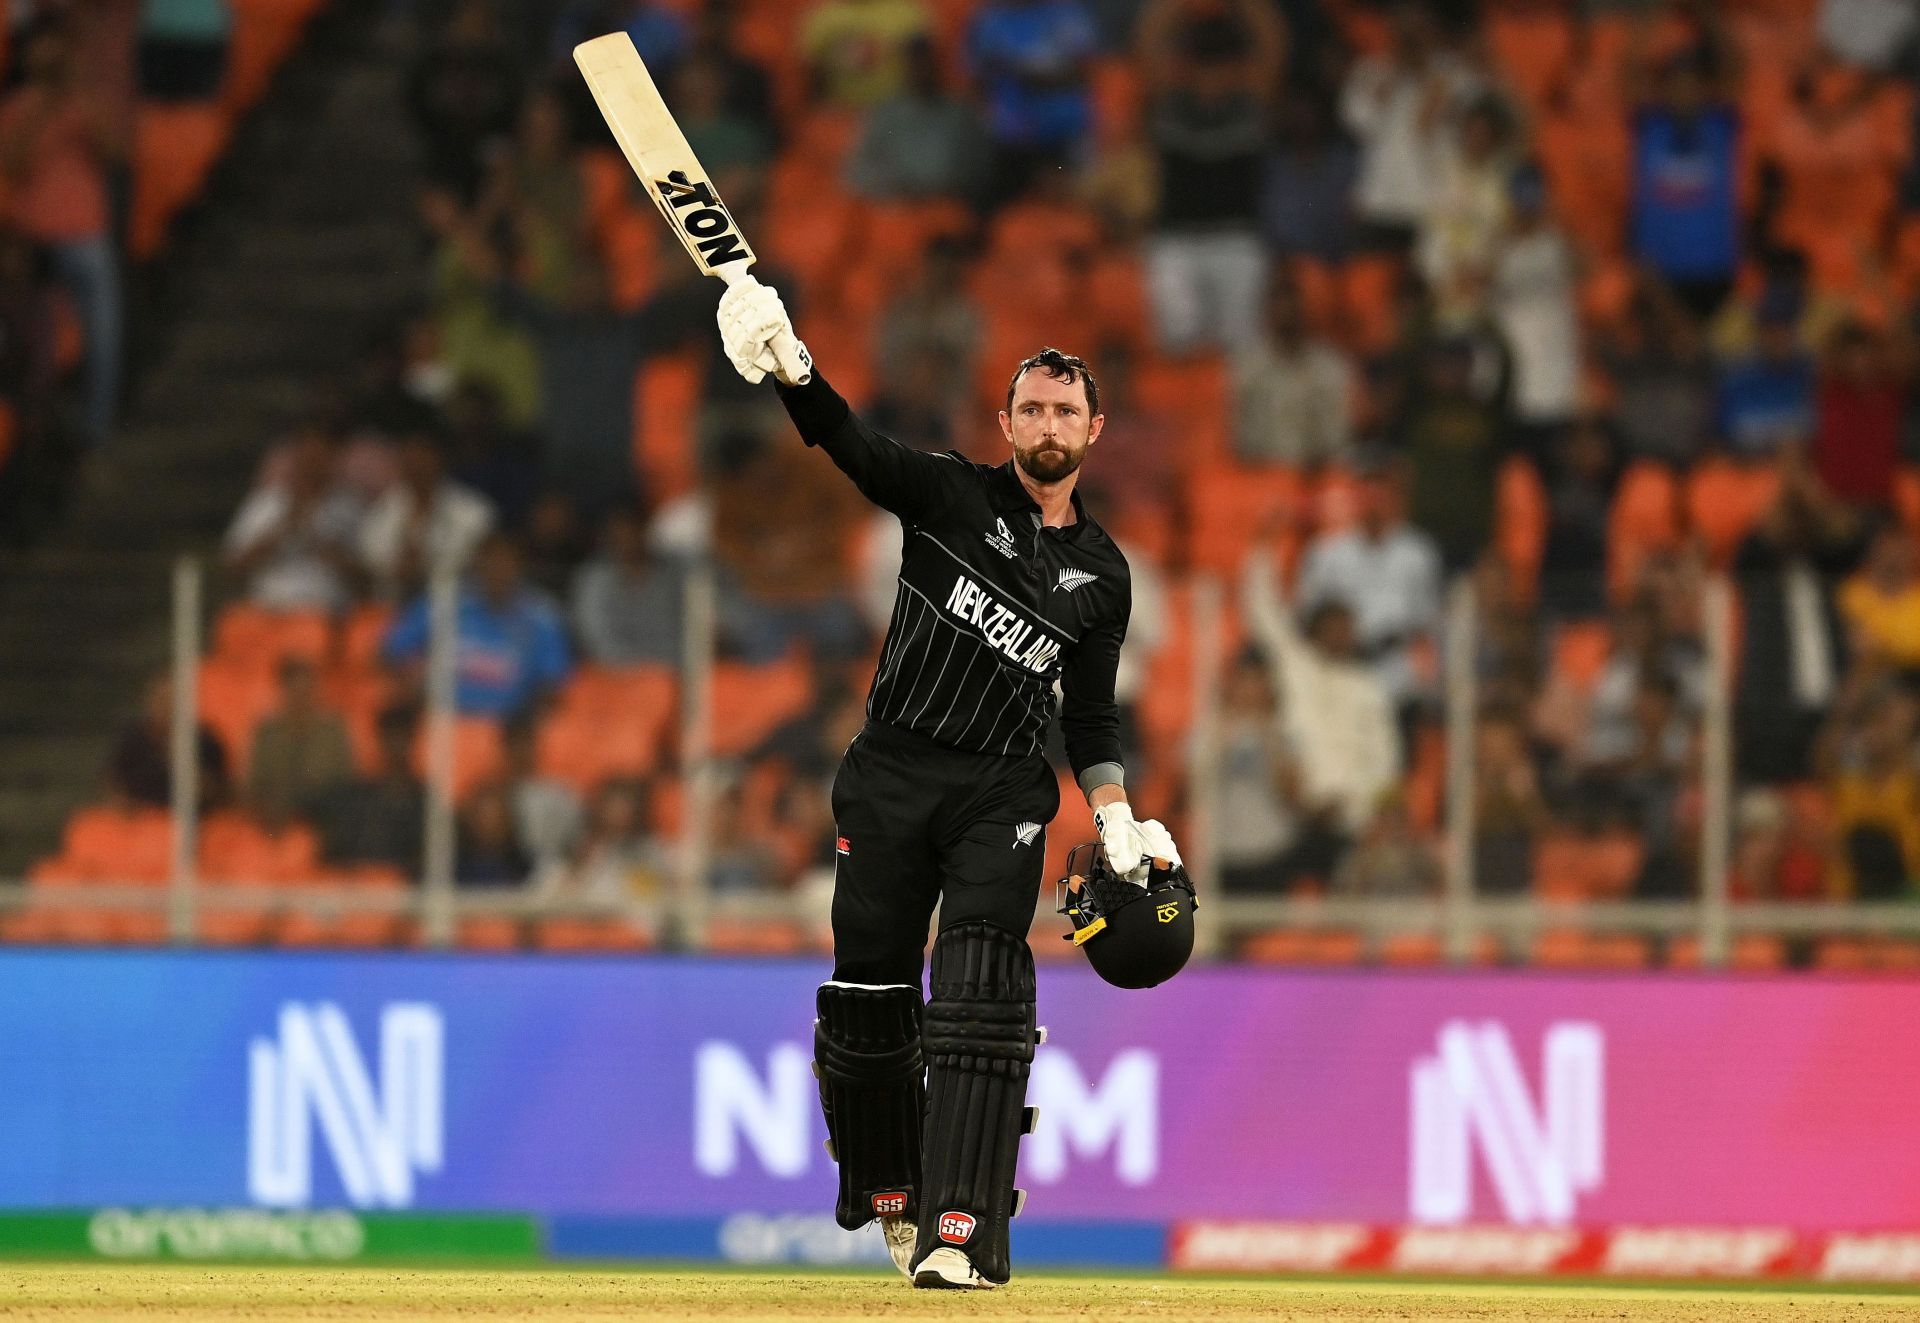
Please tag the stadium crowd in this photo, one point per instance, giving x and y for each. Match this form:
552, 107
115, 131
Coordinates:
1586, 303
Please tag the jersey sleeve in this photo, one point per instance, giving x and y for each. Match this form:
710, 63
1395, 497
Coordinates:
909, 483
1089, 713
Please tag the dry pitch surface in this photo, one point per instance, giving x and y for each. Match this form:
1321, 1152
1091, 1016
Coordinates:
145, 1293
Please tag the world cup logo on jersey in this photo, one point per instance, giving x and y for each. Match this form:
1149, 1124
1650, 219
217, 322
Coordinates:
956, 1227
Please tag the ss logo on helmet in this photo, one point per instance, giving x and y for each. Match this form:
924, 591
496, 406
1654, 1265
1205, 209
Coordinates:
1168, 912
955, 1227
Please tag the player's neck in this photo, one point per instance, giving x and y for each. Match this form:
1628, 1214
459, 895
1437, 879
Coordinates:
1055, 499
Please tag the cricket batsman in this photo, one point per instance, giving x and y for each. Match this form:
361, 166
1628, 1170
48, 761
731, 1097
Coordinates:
1007, 585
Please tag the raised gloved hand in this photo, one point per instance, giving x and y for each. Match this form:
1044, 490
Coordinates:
757, 334
1132, 845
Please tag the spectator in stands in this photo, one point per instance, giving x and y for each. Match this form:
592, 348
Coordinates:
1881, 603
726, 143
295, 540
300, 751
487, 851
142, 766
464, 93
57, 145
183, 48
915, 402
626, 605
773, 518
1399, 106
536, 191
378, 818
1453, 430
1766, 399
1794, 644
621, 857
1688, 142
1339, 718
1645, 653
1293, 390
1307, 197
548, 817
422, 522
557, 543
746, 87
1580, 479
1662, 378
935, 317
658, 31
1386, 573
922, 142
1535, 304
472, 337
1835, 165
1509, 810
1881, 35
1212, 73
1466, 214
1258, 813
1030, 60
1645, 784
511, 650
1389, 861
741, 861
1772, 859
485, 455
1860, 400
1866, 758
857, 51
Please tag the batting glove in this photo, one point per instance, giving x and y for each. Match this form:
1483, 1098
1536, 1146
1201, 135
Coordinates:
1131, 845
751, 317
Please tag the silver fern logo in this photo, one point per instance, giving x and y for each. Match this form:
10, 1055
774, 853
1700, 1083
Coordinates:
1071, 579
1024, 832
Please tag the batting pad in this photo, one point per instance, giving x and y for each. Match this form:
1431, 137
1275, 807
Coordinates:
979, 1039
866, 1053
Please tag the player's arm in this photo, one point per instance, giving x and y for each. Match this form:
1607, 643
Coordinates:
1090, 723
908, 482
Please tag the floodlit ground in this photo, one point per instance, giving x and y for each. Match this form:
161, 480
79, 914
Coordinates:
35, 1291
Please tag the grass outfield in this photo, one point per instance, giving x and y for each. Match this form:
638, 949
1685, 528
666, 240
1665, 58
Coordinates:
40, 1291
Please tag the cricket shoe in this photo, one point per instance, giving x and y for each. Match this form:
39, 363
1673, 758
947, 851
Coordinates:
949, 1270
900, 1231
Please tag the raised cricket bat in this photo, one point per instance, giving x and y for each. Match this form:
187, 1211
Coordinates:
659, 154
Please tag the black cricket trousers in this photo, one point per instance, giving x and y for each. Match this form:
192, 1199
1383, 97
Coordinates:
919, 823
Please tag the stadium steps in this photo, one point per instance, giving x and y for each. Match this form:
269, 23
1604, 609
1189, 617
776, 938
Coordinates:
303, 248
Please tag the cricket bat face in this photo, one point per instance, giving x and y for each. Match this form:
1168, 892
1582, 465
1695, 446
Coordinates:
659, 154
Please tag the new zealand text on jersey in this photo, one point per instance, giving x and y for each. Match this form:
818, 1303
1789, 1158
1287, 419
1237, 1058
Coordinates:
1003, 630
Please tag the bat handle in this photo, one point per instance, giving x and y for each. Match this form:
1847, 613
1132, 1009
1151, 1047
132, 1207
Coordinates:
795, 364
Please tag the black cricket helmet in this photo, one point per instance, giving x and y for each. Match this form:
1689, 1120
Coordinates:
1134, 937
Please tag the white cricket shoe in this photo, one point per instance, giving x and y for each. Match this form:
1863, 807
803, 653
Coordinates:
900, 1231
949, 1270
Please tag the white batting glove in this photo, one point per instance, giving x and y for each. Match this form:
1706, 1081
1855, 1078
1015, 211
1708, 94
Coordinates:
1131, 845
751, 317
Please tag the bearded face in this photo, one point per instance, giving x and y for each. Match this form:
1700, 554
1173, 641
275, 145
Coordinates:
1049, 425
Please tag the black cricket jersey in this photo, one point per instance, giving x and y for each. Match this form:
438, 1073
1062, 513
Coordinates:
991, 608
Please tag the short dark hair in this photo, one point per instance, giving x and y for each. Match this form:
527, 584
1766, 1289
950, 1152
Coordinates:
1062, 367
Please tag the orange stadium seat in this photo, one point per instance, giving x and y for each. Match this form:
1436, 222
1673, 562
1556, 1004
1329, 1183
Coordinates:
1645, 518
175, 147
1520, 532
330, 920
590, 934
1573, 948
478, 753
1238, 506
255, 636
1748, 952
666, 411
749, 702
1726, 500
608, 723
1303, 946
234, 698
264, 31
731, 936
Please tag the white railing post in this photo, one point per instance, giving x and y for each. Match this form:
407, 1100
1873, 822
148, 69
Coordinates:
699, 774
1460, 646
1716, 773
1203, 767
437, 855
185, 748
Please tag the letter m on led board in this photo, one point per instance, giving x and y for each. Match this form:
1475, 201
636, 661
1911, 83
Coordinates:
379, 1132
